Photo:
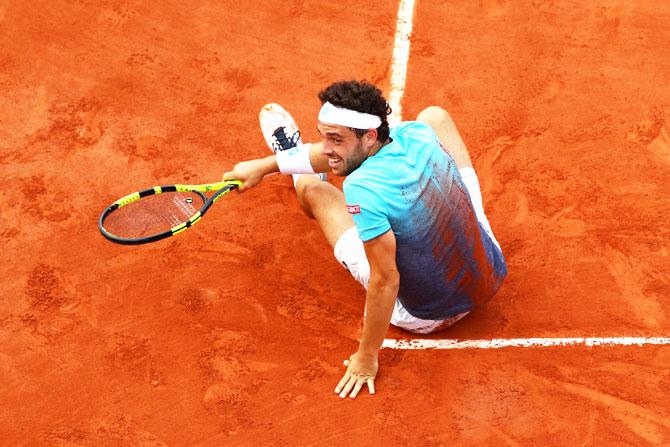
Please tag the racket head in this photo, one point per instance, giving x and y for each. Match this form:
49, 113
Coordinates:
146, 220
151, 215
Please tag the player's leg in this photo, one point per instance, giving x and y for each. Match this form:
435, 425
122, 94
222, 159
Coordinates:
445, 128
325, 203
319, 199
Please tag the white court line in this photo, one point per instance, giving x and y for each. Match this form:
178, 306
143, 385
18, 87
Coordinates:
498, 343
400, 59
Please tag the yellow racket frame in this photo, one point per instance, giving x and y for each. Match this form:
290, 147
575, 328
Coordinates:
221, 188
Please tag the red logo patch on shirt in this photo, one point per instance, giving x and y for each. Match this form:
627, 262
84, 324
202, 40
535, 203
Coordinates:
354, 209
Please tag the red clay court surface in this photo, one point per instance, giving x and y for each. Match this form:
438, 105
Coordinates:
234, 333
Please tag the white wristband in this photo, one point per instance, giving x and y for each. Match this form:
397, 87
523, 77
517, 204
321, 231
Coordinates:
295, 161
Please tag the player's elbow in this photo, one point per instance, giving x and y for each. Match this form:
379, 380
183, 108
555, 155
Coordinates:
388, 278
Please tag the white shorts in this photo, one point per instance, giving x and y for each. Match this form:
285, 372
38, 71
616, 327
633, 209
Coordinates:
350, 253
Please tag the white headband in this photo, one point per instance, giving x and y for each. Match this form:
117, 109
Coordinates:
340, 116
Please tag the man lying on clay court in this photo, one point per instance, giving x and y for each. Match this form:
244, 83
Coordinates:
410, 225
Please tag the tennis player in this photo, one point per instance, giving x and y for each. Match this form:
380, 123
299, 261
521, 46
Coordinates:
410, 225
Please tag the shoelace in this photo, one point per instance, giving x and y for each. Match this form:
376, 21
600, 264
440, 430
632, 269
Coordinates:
283, 142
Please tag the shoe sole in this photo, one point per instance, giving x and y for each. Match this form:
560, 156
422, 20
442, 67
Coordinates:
271, 109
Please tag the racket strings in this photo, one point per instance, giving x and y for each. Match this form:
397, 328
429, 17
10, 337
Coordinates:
153, 214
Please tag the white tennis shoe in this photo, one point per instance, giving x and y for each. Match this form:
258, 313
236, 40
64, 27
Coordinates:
280, 130
278, 127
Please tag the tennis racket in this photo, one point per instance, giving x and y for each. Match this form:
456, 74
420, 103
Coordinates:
159, 212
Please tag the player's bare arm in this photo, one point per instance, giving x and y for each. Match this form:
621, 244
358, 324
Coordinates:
381, 295
252, 172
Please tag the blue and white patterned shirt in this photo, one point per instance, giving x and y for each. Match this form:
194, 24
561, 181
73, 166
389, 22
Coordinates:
447, 262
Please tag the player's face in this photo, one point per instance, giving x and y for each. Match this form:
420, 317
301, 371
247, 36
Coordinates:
345, 151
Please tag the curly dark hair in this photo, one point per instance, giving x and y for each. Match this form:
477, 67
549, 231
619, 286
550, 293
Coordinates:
360, 96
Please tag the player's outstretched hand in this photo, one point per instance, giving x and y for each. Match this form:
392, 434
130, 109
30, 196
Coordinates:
361, 370
251, 172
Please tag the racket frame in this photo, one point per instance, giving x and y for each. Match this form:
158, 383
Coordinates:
221, 188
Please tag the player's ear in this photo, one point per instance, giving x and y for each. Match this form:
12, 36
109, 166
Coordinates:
370, 136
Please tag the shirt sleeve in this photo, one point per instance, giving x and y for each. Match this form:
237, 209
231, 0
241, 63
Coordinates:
368, 211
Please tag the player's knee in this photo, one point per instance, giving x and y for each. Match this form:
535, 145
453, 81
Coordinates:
433, 116
310, 193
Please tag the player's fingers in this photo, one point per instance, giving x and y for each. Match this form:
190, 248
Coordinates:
233, 176
357, 388
371, 386
342, 382
350, 384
